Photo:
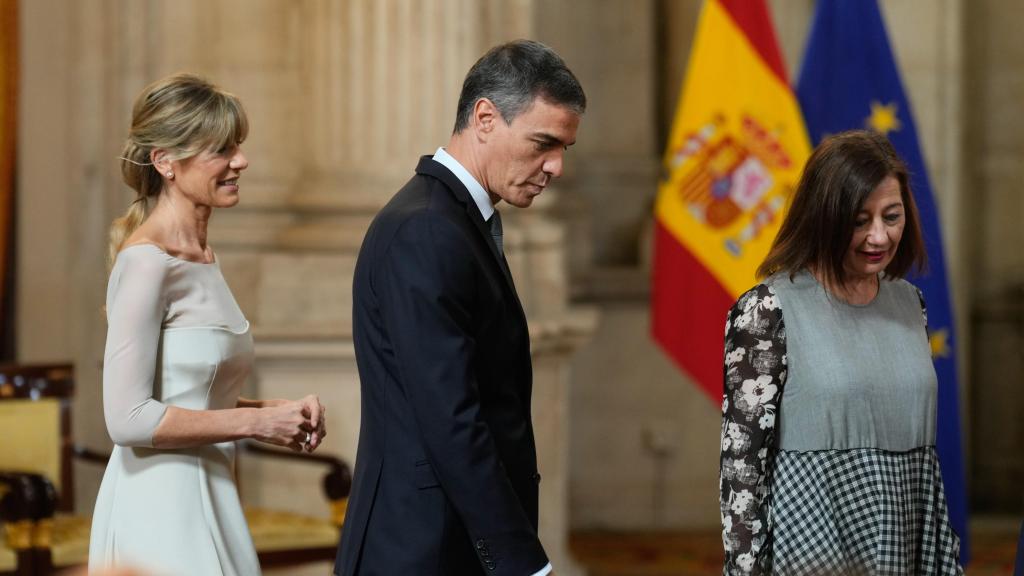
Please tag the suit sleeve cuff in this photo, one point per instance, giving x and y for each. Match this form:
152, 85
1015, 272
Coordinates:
544, 571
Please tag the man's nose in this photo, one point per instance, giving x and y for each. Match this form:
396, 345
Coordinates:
553, 164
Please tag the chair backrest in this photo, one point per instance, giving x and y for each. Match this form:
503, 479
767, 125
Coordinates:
35, 423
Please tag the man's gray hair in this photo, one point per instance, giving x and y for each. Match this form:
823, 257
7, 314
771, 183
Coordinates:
512, 75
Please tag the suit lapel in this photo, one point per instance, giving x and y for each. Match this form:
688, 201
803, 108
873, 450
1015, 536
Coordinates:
432, 168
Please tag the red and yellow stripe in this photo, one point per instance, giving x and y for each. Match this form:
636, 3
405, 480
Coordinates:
737, 147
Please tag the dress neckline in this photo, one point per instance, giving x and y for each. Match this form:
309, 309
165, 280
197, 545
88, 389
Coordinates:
834, 298
169, 255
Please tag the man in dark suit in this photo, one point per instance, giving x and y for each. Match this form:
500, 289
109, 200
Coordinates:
446, 478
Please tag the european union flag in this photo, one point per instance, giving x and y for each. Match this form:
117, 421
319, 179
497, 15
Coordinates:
849, 80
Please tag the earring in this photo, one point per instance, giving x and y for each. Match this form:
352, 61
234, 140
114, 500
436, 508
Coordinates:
170, 175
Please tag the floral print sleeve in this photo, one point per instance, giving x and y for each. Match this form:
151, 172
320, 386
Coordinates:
755, 372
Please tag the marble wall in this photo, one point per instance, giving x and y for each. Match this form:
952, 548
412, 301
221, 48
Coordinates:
993, 172
344, 95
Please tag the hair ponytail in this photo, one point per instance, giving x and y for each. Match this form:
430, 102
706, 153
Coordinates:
121, 228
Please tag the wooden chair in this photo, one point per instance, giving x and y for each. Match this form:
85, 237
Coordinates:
35, 418
285, 538
35, 411
20, 497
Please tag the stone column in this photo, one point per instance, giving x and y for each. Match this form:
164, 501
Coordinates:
343, 97
993, 72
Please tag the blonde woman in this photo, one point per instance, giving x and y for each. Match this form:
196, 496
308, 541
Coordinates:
178, 349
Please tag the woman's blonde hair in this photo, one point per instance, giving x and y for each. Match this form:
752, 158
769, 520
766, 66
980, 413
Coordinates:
182, 114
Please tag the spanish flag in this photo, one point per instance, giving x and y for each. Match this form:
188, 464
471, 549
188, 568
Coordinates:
734, 157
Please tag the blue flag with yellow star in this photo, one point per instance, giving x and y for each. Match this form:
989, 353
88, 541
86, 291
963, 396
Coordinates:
849, 80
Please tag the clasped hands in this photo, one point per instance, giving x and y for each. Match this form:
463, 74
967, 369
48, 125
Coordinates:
297, 424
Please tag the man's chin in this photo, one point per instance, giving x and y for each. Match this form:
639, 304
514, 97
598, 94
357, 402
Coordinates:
521, 201
529, 197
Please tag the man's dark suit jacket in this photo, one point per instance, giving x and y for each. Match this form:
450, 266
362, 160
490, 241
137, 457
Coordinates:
446, 471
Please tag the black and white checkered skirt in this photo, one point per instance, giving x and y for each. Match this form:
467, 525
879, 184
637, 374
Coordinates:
861, 512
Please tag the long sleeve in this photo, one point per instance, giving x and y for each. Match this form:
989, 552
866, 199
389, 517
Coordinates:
428, 288
135, 311
755, 373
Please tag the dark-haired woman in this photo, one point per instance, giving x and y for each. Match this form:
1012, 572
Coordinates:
828, 461
179, 349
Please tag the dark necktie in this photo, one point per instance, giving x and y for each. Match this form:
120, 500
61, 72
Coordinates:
496, 231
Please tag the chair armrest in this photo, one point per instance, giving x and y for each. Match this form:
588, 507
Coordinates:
337, 482
89, 455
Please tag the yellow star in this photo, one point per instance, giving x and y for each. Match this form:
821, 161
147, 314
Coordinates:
939, 342
884, 118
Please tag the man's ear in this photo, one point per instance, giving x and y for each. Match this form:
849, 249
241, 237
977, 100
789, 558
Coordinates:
485, 118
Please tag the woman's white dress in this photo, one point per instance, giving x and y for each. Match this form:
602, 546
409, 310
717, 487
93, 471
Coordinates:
176, 337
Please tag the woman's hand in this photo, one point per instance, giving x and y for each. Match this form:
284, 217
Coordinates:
287, 424
316, 413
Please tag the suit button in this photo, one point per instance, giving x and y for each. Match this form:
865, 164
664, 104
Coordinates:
480, 545
485, 553
489, 564
536, 478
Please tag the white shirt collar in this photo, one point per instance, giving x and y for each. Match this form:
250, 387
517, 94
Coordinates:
480, 196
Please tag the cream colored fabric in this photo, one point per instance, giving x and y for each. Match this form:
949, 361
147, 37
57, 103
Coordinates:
8, 559
33, 430
176, 337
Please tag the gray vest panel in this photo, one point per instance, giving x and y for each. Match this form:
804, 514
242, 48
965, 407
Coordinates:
859, 376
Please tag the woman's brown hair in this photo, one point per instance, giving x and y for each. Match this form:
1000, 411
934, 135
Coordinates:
838, 178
